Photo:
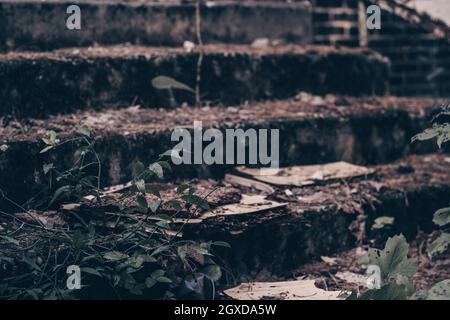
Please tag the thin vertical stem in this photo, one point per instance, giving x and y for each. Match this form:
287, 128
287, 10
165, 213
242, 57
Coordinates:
200, 57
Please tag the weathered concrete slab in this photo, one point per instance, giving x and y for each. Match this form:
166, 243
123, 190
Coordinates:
42, 25
40, 84
312, 130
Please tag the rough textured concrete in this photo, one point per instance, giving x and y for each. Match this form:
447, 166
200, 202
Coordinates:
323, 220
40, 84
358, 130
38, 25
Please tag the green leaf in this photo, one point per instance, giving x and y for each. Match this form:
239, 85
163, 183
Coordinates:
173, 153
142, 201
59, 192
407, 282
84, 130
136, 261
154, 205
47, 167
166, 83
114, 256
140, 185
440, 291
91, 271
157, 169
175, 204
138, 169
150, 282
439, 246
182, 250
393, 259
164, 280
213, 272
46, 149
198, 201
221, 244
153, 190
427, 134
157, 273
442, 217
392, 291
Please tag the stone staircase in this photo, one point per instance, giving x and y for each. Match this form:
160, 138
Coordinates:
330, 103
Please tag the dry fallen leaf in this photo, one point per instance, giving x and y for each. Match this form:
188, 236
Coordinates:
306, 175
328, 260
353, 278
247, 205
284, 290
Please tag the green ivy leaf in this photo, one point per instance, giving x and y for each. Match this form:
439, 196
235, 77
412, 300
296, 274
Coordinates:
164, 280
166, 83
175, 204
142, 201
46, 149
221, 244
392, 291
150, 282
442, 217
393, 259
140, 185
138, 169
136, 261
114, 256
154, 205
157, 169
439, 246
157, 273
91, 271
59, 192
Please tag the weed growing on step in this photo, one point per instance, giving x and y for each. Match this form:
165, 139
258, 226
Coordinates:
441, 131
396, 271
125, 247
396, 268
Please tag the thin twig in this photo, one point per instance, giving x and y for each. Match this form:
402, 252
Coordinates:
200, 57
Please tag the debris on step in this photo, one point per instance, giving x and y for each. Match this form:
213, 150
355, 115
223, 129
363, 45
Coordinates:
354, 278
284, 290
248, 205
241, 181
310, 134
347, 274
329, 260
307, 175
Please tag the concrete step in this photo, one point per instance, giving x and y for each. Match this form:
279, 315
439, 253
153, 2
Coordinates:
312, 129
44, 83
317, 220
327, 219
41, 25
